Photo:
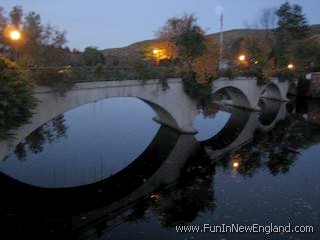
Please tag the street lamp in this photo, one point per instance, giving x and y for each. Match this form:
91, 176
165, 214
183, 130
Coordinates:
290, 66
242, 57
155, 51
15, 35
235, 164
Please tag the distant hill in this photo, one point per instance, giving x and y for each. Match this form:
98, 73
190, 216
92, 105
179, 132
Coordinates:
133, 51
315, 32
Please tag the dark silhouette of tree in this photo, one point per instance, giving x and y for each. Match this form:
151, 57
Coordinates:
46, 134
92, 56
16, 15
292, 26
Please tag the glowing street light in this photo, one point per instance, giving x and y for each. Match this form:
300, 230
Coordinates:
235, 165
15, 35
290, 66
242, 57
155, 51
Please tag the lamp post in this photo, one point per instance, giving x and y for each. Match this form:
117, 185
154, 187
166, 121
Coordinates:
15, 37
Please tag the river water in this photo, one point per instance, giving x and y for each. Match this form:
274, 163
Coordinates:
106, 170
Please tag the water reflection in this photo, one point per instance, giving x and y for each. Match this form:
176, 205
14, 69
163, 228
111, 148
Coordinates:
180, 179
46, 134
93, 141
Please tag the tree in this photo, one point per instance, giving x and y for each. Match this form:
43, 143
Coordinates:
206, 65
92, 56
3, 24
292, 26
183, 38
32, 30
190, 45
306, 55
260, 62
183, 41
267, 20
16, 15
16, 101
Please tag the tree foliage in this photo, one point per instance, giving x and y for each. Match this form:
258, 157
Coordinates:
292, 26
173, 28
190, 44
40, 45
206, 65
16, 102
183, 40
92, 56
260, 61
16, 15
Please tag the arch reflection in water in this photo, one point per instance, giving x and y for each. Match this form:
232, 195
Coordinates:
211, 121
230, 132
92, 142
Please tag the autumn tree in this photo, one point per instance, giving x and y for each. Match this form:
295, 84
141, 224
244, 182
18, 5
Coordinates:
185, 42
206, 65
167, 35
182, 38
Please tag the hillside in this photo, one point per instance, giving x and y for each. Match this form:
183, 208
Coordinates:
133, 51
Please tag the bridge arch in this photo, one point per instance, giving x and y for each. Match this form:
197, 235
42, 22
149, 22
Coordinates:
272, 111
271, 91
269, 111
172, 107
236, 95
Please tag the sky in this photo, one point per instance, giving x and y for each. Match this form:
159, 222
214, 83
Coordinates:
118, 23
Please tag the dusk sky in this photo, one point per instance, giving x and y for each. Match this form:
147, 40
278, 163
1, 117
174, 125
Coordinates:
117, 23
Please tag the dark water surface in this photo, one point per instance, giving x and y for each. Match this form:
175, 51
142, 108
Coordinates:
142, 180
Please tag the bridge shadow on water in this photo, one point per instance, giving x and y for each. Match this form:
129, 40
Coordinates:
174, 177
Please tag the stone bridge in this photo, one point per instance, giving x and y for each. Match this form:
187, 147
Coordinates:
173, 107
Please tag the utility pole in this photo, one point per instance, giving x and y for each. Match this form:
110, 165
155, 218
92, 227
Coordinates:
221, 42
